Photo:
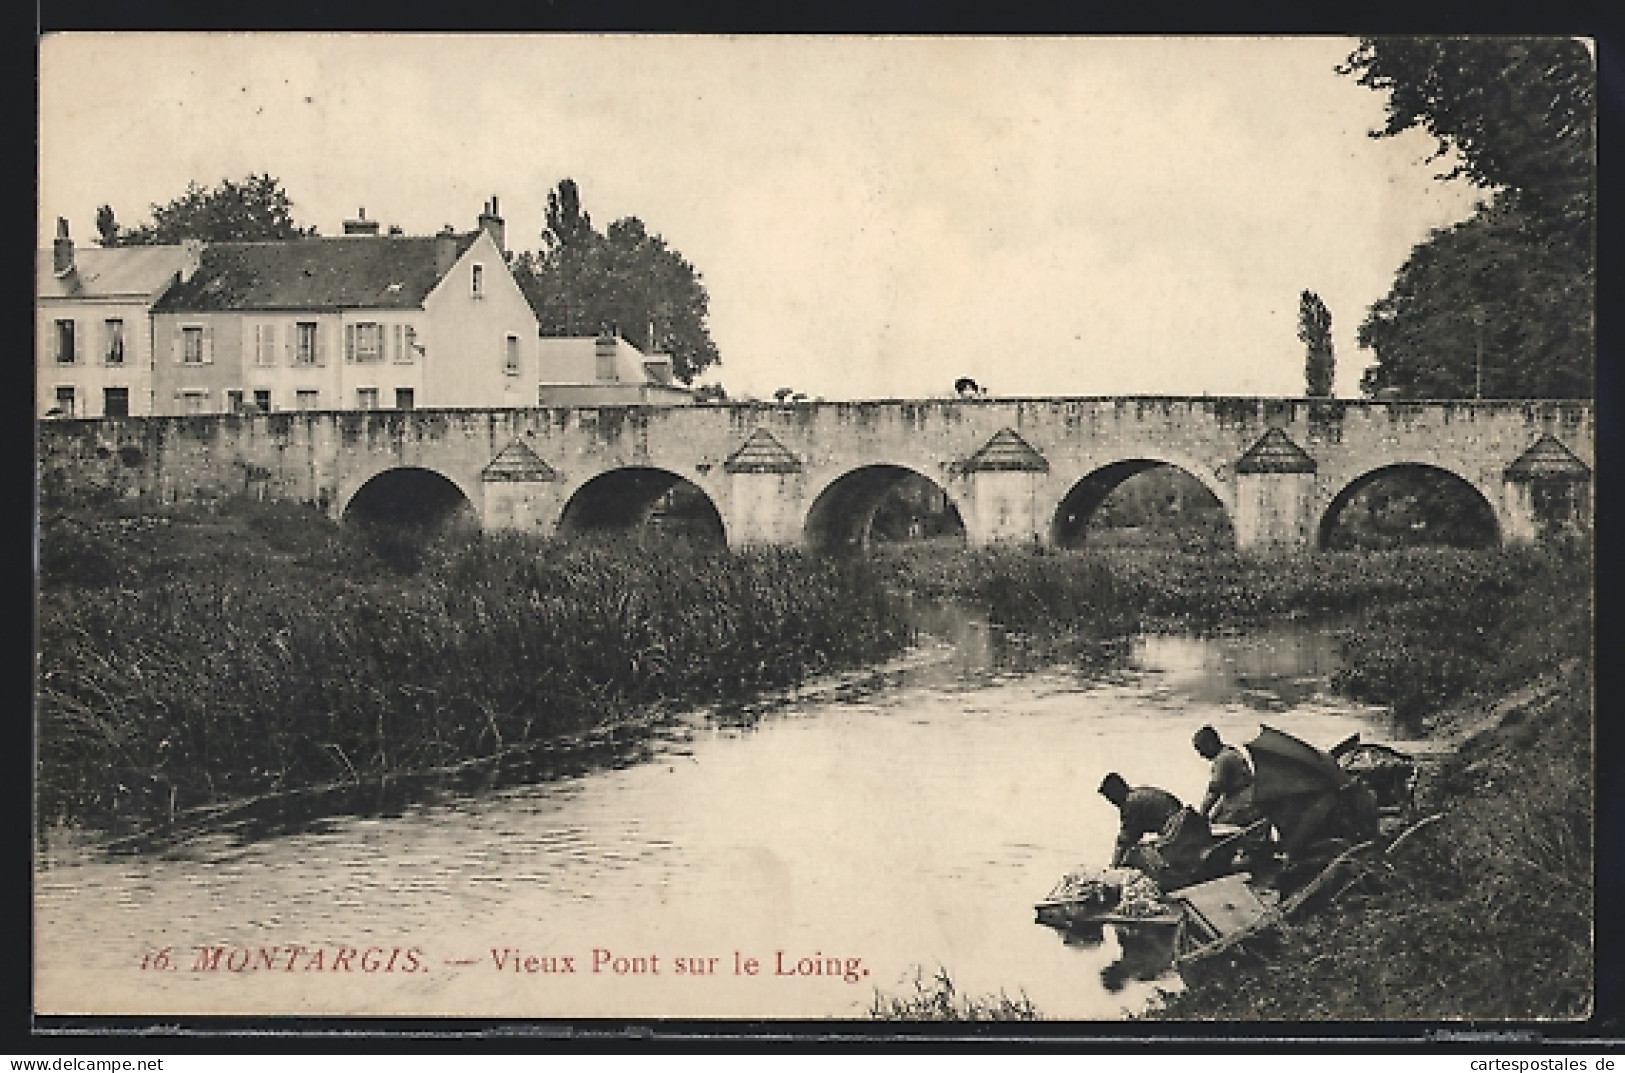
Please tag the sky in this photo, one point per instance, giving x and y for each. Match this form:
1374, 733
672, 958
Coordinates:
872, 217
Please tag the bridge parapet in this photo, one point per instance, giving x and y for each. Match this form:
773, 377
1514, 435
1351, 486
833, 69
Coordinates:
1009, 467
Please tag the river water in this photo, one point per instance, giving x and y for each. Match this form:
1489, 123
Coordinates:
841, 840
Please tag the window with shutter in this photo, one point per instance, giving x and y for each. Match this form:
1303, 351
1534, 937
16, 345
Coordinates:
64, 342
115, 341
305, 343
368, 341
265, 344
192, 344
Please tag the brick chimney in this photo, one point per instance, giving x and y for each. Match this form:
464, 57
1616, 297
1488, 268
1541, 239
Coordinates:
361, 225
445, 251
492, 223
62, 249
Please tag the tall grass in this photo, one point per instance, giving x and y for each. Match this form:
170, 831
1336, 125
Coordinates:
1109, 590
226, 658
937, 999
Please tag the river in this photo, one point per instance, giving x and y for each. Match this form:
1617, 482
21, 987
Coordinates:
778, 863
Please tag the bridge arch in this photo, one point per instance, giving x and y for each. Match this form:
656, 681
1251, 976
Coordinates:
625, 498
1477, 522
842, 512
1086, 492
415, 497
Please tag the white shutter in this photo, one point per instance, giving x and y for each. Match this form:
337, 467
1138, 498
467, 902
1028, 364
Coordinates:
208, 342
349, 342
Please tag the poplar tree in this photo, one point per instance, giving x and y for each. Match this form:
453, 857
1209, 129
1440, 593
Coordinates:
1315, 330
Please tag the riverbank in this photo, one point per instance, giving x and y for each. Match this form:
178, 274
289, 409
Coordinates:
208, 656
1488, 912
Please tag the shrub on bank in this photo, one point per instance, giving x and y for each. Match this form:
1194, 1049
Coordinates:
1111, 590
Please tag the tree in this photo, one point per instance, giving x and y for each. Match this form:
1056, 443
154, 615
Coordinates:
1491, 306
567, 225
625, 280
1517, 111
106, 226
1315, 330
255, 209
1508, 292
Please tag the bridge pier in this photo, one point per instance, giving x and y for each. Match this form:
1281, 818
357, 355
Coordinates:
1005, 508
1275, 489
764, 507
1274, 510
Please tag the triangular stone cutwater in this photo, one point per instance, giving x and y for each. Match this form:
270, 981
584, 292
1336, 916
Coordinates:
1006, 451
762, 453
517, 462
1548, 459
1275, 453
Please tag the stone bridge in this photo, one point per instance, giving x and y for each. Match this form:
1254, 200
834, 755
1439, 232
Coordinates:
1028, 470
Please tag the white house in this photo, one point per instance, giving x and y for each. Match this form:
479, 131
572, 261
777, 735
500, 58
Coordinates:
605, 371
362, 321
93, 333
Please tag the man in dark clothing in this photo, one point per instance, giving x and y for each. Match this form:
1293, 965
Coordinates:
1142, 810
1229, 797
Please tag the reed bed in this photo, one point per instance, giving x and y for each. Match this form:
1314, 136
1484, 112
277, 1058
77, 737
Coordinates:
206, 658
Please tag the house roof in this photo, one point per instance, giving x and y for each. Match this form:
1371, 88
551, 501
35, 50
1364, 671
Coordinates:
366, 272
121, 272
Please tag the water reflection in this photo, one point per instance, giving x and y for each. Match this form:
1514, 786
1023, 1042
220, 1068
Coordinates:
908, 816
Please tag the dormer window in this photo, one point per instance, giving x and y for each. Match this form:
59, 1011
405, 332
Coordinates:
477, 281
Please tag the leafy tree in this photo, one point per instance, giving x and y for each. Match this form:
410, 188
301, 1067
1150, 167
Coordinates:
624, 280
1510, 290
1517, 111
1494, 305
1315, 330
106, 226
567, 225
252, 210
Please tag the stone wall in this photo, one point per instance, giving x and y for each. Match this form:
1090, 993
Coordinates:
325, 458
